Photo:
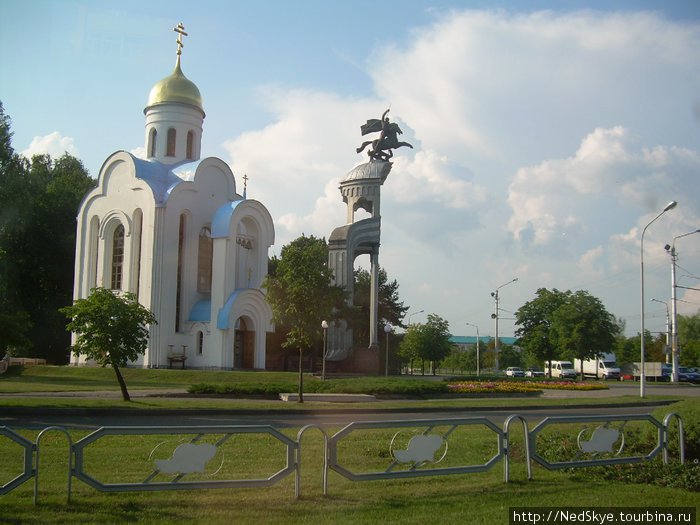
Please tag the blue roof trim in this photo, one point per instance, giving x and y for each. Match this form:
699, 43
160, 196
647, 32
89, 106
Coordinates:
201, 312
222, 319
222, 219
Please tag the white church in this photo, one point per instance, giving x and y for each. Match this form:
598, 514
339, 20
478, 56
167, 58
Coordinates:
175, 230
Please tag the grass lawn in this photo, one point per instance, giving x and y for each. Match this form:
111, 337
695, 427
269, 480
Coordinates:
57, 379
465, 498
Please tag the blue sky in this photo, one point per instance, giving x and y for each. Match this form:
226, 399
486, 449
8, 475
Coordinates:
547, 134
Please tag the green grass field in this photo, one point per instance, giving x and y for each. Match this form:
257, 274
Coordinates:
465, 498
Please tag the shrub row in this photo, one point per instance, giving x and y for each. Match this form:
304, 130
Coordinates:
380, 387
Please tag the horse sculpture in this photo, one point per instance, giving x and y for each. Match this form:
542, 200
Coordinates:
388, 138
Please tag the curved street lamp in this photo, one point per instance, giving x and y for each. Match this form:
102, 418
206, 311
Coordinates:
642, 374
478, 369
414, 313
668, 326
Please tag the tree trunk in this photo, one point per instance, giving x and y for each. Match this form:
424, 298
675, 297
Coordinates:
122, 384
301, 377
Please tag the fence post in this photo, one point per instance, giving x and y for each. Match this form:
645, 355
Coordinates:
506, 440
681, 437
70, 460
297, 484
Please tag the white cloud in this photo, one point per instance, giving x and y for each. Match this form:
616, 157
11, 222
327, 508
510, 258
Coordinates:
543, 142
560, 195
139, 152
53, 144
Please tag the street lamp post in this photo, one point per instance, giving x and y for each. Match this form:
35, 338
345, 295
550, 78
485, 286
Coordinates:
387, 330
410, 363
642, 374
414, 313
668, 328
478, 369
494, 316
324, 325
674, 319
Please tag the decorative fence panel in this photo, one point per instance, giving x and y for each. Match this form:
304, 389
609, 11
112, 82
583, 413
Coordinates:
204, 457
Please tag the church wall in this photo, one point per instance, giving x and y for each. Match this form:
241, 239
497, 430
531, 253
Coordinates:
198, 200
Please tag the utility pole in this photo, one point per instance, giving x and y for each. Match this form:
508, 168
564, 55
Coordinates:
674, 311
494, 316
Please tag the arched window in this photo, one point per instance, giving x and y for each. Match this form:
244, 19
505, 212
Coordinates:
152, 143
117, 258
170, 152
180, 262
190, 145
200, 342
204, 261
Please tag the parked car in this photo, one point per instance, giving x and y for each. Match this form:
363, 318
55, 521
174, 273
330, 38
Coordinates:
514, 371
533, 372
687, 374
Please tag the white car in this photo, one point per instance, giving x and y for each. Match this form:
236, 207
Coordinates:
514, 371
533, 372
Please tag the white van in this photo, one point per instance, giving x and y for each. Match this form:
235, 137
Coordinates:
561, 369
603, 367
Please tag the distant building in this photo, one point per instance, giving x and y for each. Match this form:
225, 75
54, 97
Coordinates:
176, 230
463, 342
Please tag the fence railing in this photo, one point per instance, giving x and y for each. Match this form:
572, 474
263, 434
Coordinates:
195, 457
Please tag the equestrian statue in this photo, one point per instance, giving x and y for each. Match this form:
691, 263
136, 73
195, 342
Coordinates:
382, 146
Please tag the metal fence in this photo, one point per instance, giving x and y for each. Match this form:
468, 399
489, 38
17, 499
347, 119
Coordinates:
195, 457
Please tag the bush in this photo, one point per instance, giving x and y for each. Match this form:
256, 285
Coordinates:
270, 390
685, 476
674, 475
689, 410
360, 385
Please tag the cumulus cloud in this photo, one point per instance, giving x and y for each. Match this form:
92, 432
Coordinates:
53, 144
544, 142
560, 195
296, 163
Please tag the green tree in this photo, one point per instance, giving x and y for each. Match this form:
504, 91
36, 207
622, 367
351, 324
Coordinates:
535, 319
509, 355
110, 329
301, 295
428, 342
39, 200
15, 321
391, 308
689, 339
582, 327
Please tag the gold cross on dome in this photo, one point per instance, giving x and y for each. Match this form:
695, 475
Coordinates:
180, 30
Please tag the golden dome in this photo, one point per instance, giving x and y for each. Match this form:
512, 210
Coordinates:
175, 88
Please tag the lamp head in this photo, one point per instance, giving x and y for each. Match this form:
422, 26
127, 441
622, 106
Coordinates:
670, 205
324, 324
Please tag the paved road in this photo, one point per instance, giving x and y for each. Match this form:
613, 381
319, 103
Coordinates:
340, 416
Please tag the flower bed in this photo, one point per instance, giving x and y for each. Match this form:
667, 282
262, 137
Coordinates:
516, 387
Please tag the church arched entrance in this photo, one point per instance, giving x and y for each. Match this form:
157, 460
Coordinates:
244, 344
